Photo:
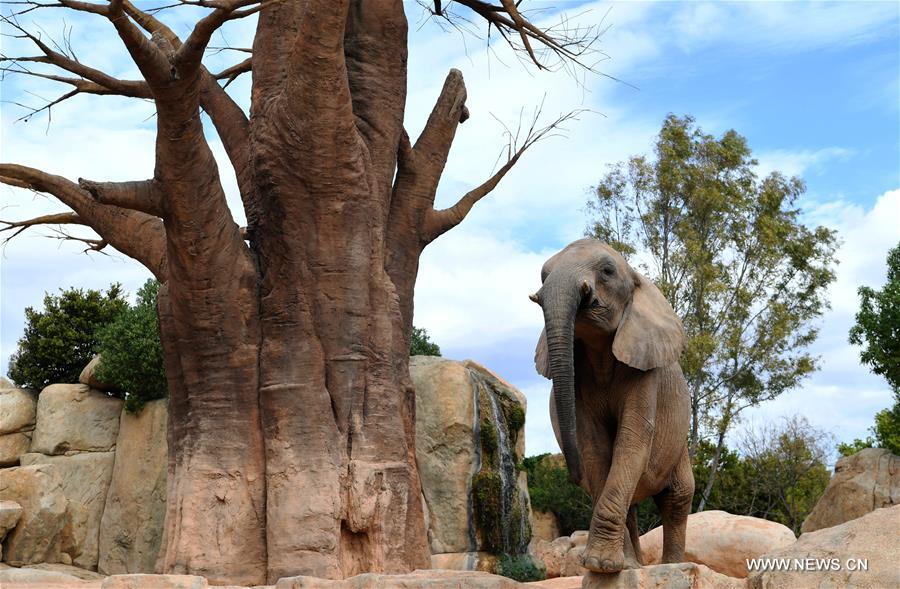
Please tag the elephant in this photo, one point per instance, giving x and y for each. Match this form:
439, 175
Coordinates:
619, 403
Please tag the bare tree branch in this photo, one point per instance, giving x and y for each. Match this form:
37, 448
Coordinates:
135, 234
438, 222
140, 195
18, 227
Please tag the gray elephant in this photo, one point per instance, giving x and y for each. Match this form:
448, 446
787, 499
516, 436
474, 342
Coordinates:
620, 406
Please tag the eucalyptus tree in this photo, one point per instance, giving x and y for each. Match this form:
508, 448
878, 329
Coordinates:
286, 342
731, 254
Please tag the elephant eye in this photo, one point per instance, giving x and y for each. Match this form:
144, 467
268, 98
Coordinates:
595, 303
609, 270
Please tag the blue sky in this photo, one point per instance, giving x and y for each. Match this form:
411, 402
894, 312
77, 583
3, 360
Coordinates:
815, 88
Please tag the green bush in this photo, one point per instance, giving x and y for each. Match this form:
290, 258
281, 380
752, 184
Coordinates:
421, 345
520, 567
62, 338
131, 355
551, 490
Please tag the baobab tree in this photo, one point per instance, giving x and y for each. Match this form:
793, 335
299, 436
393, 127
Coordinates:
291, 410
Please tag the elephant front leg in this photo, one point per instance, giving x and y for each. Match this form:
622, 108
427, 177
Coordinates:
604, 552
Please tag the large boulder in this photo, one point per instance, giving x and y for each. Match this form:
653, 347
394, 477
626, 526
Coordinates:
465, 561
88, 376
459, 406
551, 555
84, 479
682, 575
12, 446
722, 541
863, 482
38, 536
154, 582
429, 579
544, 525
15, 578
17, 418
862, 553
131, 527
74, 417
10, 513
19, 408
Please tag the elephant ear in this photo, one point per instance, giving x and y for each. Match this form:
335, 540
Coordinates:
542, 355
650, 334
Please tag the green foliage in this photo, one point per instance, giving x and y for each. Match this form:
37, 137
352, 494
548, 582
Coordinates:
729, 252
62, 338
421, 345
486, 489
488, 439
131, 353
779, 474
885, 433
551, 490
520, 567
877, 326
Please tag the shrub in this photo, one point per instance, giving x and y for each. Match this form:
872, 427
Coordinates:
62, 338
520, 567
131, 353
421, 345
551, 490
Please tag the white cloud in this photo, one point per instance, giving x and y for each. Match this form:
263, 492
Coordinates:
798, 162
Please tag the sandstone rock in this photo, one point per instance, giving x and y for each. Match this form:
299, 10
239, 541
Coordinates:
722, 541
66, 569
6, 384
448, 446
544, 526
551, 555
682, 575
12, 446
20, 577
558, 583
10, 513
135, 510
38, 536
85, 481
154, 582
445, 448
579, 538
872, 537
88, 376
19, 408
73, 417
863, 482
465, 561
429, 579
571, 565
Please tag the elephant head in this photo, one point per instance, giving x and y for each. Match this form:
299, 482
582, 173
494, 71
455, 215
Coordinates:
590, 285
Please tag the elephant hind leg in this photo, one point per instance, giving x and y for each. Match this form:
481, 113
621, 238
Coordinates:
674, 505
633, 557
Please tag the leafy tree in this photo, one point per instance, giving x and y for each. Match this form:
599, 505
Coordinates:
131, 353
877, 329
877, 326
885, 433
421, 345
291, 335
550, 490
62, 338
520, 567
729, 252
786, 471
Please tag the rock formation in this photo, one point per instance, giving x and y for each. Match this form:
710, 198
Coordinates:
863, 482
136, 503
469, 439
859, 554
722, 541
73, 417
16, 423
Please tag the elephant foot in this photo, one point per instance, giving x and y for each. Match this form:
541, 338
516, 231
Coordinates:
631, 563
601, 560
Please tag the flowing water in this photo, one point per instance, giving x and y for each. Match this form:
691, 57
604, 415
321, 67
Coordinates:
510, 494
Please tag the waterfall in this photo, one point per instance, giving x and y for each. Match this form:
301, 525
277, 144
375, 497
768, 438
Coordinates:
512, 519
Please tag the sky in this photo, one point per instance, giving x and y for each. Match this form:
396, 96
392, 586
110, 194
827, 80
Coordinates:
813, 86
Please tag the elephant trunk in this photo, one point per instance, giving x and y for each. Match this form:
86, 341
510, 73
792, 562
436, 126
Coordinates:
561, 297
